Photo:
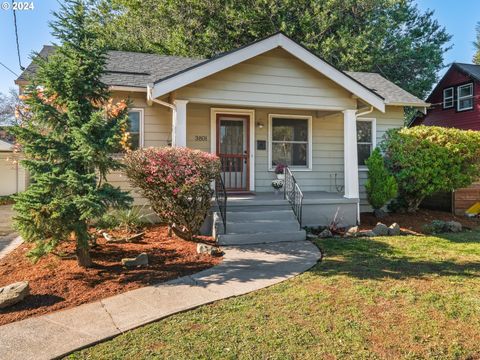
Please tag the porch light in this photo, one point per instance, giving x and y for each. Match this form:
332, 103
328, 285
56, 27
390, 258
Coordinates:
260, 125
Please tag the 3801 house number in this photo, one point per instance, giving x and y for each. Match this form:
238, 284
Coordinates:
201, 138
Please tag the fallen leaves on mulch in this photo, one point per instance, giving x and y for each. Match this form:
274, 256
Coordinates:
415, 222
58, 284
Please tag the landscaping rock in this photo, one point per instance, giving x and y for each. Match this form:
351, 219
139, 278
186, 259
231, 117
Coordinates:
353, 231
380, 229
325, 234
394, 229
140, 260
208, 249
379, 213
453, 226
13, 293
367, 233
309, 237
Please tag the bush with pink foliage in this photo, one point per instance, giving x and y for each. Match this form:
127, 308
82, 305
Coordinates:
176, 182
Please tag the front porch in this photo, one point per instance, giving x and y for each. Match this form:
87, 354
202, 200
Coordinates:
319, 208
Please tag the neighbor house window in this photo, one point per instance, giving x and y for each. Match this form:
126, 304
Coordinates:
448, 98
465, 97
290, 141
135, 128
366, 134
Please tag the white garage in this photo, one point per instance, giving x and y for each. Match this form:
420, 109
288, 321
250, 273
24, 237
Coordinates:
13, 177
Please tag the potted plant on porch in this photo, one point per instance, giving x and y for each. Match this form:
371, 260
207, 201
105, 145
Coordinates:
277, 184
280, 171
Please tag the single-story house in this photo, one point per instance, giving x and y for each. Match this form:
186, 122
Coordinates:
272, 101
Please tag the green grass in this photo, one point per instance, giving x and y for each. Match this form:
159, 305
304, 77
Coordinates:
381, 298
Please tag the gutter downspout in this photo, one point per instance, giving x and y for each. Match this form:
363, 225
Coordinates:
150, 99
366, 112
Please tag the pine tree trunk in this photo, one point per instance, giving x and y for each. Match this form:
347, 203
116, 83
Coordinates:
83, 251
83, 257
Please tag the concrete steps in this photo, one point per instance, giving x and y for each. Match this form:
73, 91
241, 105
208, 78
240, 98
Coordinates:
255, 225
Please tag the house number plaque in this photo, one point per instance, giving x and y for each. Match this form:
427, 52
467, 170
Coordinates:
201, 138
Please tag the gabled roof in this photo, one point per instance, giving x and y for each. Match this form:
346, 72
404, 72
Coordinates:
136, 70
393, 94
129, 69
470, 69
279, 40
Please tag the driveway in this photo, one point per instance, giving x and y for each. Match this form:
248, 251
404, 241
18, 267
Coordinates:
8, 239
6, 214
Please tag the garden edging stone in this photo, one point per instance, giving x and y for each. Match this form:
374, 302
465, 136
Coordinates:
244, 269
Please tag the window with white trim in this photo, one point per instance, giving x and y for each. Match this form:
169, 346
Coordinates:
135, 128
465, 97
290, 141
366, 139
448, 98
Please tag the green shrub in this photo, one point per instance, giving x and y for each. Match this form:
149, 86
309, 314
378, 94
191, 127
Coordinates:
429, 159
381, 186
131, 220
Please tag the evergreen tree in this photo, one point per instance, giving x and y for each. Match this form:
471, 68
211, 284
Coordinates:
476, 43
381, 186
68, 138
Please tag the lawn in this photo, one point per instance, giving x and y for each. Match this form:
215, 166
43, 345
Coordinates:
386, 297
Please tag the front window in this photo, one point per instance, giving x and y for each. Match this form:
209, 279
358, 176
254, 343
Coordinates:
135, 128
365, 140
448, 98
465, 97
290, 141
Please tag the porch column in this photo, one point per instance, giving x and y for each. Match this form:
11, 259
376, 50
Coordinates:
350, 154
179, 123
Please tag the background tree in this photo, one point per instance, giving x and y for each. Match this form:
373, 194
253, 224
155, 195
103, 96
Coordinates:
68, 139
391, 37
476, 43
8, 105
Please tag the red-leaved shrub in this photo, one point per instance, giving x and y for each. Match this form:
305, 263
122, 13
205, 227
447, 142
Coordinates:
176, 182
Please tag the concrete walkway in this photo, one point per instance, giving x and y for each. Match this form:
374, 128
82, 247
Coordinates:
244, 269
8, 243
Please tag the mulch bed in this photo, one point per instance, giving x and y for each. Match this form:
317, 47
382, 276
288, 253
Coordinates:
57, 283
415, 222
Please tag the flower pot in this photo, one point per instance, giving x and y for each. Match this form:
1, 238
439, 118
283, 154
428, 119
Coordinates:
281, 176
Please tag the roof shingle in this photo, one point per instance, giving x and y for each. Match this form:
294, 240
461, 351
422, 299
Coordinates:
133, 69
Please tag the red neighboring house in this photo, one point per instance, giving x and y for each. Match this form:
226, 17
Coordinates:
455, 102
455, 99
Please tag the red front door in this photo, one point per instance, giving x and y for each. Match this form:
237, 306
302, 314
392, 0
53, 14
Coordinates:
233, 150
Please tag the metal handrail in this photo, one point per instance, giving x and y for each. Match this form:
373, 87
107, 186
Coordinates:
294, 195
221, 200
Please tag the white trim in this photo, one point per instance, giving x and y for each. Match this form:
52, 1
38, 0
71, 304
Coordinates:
406, 103
179, 123
142, 125
127, 88
350, 154
310, 141
213, 136
459, 98
450, 98
279, 40
374, 138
